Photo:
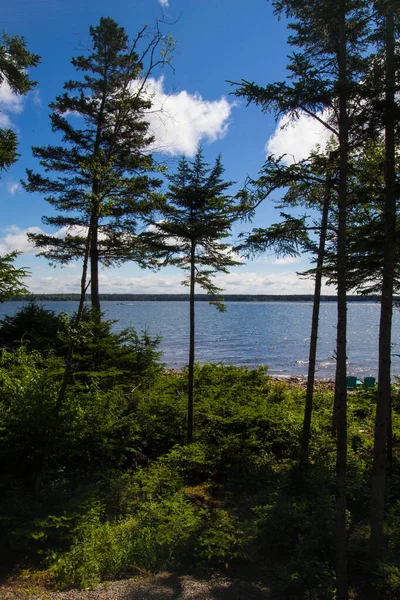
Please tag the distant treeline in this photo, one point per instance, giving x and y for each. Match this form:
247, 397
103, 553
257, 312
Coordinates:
199, 298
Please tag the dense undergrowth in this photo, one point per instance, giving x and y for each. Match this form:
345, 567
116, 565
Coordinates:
105, 486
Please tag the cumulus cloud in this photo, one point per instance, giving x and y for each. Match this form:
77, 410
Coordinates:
15, 238
164, 3
298, 138
180, 121
169, 282
60, 284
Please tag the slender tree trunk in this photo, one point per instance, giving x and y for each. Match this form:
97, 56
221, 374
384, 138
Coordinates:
94, 267
42, 476
382, 416
190, 423
389, 445
340, 384
305, 442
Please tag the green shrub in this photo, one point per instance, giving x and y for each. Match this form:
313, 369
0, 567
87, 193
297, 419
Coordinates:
35, 327
159, 536
112, 358
221, 539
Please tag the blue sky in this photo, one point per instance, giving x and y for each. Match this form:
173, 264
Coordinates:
217, 40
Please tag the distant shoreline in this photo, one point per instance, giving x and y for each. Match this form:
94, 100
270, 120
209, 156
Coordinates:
199, 298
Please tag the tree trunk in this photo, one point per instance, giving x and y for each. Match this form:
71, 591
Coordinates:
385, 327
190, 423
42, 476
305, 441
340, 384
94, 267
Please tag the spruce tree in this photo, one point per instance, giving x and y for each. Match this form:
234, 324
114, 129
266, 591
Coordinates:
326, 75
310, 184
101, 179
15, 59
389, 26
198, 216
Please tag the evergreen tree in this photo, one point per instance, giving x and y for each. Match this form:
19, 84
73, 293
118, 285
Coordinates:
389, 21
197, 217
309, 183
101, 179
326, 83
15, 59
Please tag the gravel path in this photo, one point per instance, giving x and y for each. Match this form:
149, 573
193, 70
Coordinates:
161, 587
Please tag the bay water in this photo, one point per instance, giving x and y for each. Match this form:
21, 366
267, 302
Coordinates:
275, 334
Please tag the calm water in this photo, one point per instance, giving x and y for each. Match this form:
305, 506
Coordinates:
252, 333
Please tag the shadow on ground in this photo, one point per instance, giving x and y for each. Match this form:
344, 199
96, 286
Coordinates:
171, 587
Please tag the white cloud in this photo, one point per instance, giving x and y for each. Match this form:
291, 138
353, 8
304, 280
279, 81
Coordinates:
286, 260
5, 120
182, 120
271, 260
16, 239
36, 97
162, 283
164, 3
9, 101
284, 283
13, 187
70, 230
298, 138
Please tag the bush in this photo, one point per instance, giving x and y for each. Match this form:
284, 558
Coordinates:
35, 327
112, 358
158, 536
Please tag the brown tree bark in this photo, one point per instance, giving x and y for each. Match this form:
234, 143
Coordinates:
94, 267
190, 422
382, 416
306, 434
340, 383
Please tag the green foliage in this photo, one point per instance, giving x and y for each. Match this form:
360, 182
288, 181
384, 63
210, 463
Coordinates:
221, 539
102, 180
11, 277
197, 217
15, 59
111, 358
28, 392
100, 355
33, 326
124, 493
158, 535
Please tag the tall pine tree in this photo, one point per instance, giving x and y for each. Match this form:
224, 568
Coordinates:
325, 82
102, 178
15, 59
198, 216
